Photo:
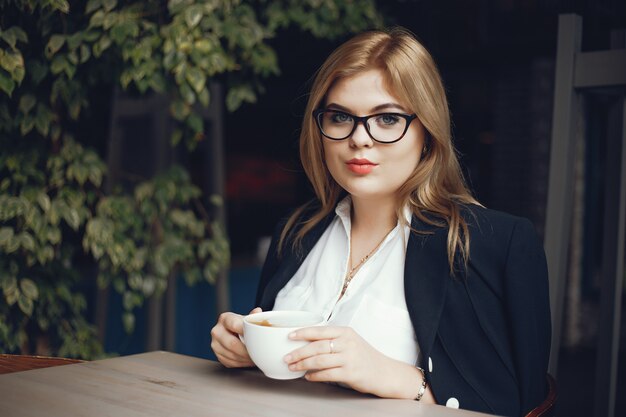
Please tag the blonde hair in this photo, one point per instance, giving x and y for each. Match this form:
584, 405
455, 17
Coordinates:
436, 185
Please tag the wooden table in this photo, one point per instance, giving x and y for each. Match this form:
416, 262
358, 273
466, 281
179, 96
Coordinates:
17, 363
168, 384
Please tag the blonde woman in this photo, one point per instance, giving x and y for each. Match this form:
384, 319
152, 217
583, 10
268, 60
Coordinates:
428, 294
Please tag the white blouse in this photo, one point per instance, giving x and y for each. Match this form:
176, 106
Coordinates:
374, 304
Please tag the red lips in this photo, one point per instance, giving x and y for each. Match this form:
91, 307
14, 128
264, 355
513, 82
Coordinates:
360, 165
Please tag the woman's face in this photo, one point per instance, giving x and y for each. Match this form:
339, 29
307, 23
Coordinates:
366, 169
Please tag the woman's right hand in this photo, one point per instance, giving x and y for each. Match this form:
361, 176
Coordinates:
230, 351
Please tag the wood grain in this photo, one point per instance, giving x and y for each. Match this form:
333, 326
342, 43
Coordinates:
16, 363
168, 384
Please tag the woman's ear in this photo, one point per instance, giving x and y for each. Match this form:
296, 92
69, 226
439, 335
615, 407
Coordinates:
427, 143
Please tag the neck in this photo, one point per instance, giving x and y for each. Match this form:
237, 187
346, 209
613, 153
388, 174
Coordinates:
375, 216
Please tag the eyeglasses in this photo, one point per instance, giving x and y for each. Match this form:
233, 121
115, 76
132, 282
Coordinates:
381, 127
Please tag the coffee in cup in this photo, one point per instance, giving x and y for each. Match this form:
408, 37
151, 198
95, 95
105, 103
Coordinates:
266, 336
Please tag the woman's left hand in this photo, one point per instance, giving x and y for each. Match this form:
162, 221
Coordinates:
339, 354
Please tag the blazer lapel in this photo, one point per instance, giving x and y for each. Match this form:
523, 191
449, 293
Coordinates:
426, 277
291, 261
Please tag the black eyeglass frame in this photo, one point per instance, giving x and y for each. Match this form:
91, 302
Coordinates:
362, 119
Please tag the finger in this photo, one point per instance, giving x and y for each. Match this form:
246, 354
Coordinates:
319, 347
318, 333
325, 375
256, 310
228, 358
229, 341
229, 363
232, 322
221, 350
318, 362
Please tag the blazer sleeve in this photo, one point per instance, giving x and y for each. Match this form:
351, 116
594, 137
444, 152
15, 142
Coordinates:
528, 312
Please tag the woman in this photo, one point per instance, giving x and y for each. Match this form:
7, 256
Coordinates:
429, 295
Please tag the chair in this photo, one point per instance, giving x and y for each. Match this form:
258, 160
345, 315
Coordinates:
546, 408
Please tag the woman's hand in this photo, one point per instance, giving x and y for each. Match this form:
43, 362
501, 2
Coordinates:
339, 354
230, 351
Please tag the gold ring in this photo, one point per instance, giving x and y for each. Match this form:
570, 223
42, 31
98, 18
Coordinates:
332, 346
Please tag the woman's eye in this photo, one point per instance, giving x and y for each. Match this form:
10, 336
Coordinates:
340, 118
387, 119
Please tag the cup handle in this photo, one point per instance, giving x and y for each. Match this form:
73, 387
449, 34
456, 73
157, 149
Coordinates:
242, 339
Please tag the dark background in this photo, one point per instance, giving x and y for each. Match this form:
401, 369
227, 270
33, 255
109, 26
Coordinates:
497, 60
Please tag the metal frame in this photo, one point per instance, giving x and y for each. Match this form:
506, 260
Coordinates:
576, 73
161, 328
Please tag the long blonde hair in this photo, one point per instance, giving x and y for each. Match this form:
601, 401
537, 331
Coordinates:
436, 186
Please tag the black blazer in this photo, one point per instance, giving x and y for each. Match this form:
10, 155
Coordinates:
484, 332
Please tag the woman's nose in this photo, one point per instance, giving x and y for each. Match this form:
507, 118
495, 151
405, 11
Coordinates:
360, 137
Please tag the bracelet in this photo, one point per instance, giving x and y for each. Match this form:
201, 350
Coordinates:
422, 389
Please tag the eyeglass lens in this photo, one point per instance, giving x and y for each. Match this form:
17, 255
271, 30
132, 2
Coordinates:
385, 127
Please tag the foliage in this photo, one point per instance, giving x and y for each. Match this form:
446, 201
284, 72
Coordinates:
57, 220
139, 240
43, 204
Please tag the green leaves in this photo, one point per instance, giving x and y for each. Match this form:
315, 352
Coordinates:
61, 64
193, 15
327, 19
29, 289
239, 94
12, 35
122, 30
44, 201
12, 69
60, 5
24, 294
97, 19
38, 279
82, 166
54, 44
27, 102
196, 79
195, 123
6, 235
186, 219
10, 290
51, 193
25, 304
179, 110
187, 94
128, 319
43, 119
11, 60
12, 206
30, 228
151, 236
6, 84
109, 4
92, 5
101, 45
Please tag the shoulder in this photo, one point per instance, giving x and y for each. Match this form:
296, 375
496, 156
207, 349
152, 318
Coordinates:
497, 237
484, 223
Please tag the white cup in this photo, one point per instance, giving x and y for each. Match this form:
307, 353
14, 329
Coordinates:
266, 336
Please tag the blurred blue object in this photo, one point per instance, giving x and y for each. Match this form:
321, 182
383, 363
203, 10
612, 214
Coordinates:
195, 315
195, 310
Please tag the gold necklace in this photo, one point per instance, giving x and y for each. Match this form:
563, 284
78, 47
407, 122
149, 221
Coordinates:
353, 269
